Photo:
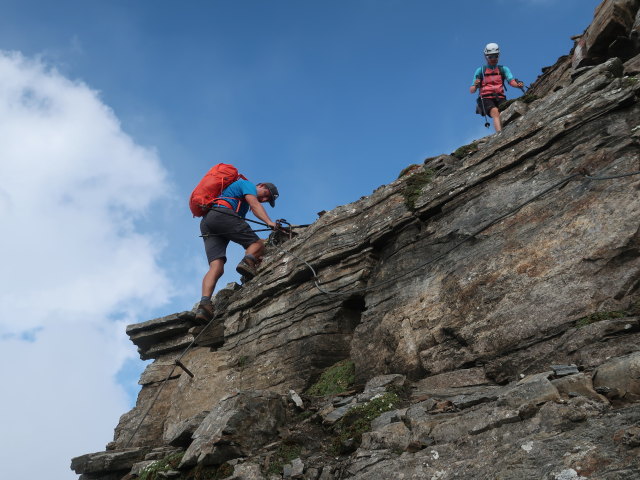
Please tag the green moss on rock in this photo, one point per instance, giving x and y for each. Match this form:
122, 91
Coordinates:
414, 185
285, 453
598, 317
335, 379
349, 429
409, 169
465, 150
168, 463
199, 472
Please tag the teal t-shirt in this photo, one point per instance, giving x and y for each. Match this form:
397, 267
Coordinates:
235, 193
508, 76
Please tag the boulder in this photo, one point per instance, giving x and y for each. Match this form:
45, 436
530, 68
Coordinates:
577, 385
531, 390
293, 469
106, 462
608, 35
619, 378
236, 426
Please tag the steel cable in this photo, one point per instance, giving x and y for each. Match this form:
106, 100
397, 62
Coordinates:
317, 283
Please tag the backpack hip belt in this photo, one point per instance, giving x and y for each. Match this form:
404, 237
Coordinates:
220, 202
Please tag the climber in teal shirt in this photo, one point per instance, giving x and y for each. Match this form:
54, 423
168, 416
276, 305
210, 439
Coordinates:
490, 78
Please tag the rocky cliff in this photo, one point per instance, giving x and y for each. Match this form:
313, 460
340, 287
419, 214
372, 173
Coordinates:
477, 318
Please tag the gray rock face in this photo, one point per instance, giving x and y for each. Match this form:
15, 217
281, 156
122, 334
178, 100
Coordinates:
235, 427
496, 290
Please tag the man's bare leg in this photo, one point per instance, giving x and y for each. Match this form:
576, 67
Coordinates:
216, 269
495, 115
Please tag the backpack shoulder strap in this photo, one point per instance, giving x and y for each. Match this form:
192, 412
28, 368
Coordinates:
503, 75
481, 77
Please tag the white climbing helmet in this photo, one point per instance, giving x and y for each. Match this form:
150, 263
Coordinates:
492, 49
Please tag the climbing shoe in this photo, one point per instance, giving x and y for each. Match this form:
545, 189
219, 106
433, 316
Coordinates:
204, 313
247, 268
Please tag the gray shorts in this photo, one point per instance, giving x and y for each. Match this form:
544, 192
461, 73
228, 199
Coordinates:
488, 103
221, 225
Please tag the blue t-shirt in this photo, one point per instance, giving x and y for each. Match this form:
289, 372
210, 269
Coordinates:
236, 192
479, 71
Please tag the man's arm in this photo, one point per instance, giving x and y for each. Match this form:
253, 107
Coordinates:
510, 78
258, 210
476, 81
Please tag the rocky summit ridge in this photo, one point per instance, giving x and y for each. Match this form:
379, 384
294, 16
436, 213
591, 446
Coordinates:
477, 318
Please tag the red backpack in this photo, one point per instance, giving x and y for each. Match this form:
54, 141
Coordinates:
211, 186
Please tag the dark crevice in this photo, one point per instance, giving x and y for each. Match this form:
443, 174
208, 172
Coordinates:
350, 314
430, 213
453, 334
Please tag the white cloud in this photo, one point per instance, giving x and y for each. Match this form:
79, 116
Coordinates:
72, 185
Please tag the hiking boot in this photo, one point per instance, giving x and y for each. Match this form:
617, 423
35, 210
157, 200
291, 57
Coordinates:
247, 268
204, 313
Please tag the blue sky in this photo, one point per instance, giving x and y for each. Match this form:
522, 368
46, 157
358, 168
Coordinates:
115, 109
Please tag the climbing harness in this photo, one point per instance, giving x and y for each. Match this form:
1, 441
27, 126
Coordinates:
206, 235
281, 221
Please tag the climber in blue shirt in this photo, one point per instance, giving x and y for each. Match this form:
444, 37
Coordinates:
490, 79
225, 223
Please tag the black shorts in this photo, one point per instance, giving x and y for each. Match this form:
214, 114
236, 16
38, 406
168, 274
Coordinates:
220, 226
489, 103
